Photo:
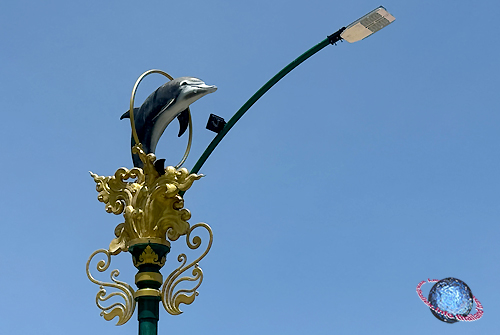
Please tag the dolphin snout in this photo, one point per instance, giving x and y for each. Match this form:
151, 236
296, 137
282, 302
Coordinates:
209, 88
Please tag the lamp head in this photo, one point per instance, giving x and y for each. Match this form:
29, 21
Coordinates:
367, 25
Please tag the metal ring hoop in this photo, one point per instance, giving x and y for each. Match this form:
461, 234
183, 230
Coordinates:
132, 121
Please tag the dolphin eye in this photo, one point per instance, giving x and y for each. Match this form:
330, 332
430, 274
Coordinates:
184, 83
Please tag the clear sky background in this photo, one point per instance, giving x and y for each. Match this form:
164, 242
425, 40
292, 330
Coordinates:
369, 168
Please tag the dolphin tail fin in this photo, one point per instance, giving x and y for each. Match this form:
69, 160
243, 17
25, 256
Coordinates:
159, 165
126, 115
183, 118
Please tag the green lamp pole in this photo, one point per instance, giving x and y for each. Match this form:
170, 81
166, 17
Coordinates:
152, 206
148, 279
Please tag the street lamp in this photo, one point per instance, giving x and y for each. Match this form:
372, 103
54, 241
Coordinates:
152, 203
358, 30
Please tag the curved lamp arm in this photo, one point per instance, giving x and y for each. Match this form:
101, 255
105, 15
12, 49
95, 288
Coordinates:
329, 40
356, 31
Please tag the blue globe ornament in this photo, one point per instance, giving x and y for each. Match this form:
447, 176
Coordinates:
453, 296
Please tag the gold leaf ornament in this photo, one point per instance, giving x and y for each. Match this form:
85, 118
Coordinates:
148, 256
151, 205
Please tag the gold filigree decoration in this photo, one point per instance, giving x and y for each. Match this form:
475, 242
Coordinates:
148, 256
122, 310
151, 205
171, 300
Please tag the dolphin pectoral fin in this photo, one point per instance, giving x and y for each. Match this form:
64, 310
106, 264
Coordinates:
126, 115
171, 101
183, 118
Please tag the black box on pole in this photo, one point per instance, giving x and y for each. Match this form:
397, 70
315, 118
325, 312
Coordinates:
215, 123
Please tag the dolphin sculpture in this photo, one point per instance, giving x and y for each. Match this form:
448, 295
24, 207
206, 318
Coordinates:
169, 101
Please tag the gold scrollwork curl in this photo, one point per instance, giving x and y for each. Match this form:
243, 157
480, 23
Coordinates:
115, 192
125, 310
171, 300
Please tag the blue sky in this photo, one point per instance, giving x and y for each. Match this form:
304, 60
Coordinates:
369, 168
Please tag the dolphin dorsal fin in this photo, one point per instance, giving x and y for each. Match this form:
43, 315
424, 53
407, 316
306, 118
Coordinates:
126, 115
170, 102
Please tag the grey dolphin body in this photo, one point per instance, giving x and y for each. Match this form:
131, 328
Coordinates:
169, 101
